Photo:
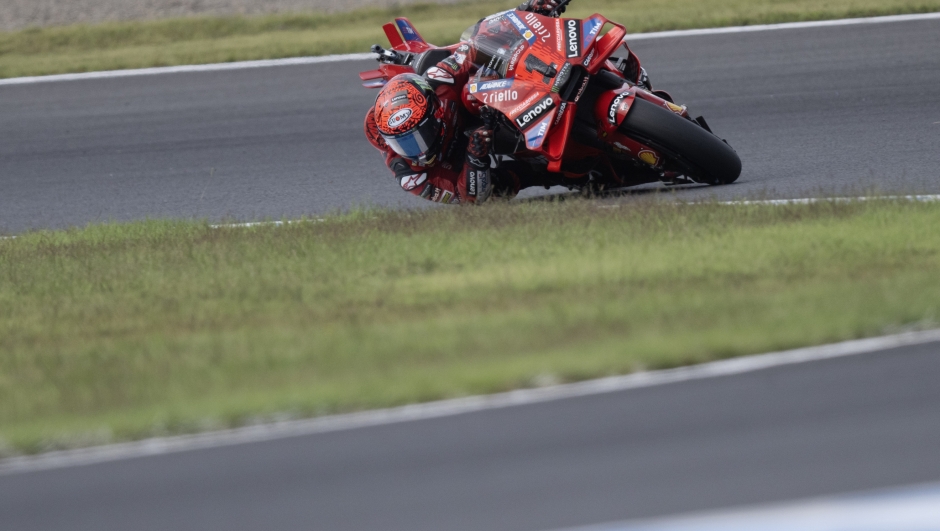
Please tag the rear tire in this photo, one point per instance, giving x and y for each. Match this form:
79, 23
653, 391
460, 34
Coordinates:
704, 157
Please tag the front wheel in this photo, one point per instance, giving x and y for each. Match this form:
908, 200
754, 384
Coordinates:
703, 156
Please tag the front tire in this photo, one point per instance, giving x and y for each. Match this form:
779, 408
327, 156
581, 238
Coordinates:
703, 156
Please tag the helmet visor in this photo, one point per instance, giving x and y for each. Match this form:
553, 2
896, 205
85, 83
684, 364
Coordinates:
417, 143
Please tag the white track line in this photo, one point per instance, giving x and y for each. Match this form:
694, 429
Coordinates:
783, 26
362, 56
801, 201
446, 408
217, 67
915, 508
813, 200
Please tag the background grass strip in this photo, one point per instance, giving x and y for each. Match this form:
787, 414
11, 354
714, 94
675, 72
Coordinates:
201, 40
115, 332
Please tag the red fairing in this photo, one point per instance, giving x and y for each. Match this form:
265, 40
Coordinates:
612, 108
533, 70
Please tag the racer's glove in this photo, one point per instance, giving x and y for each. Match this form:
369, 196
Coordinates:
542, 7
478, 151
479, 183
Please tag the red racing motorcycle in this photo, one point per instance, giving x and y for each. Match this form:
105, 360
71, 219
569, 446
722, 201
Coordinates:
559, 98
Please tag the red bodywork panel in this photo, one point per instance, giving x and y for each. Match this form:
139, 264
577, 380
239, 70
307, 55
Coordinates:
528, 60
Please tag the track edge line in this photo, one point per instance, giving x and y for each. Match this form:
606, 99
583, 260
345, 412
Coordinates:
457, 406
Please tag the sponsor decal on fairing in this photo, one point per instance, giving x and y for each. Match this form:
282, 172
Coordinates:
533, 113
410, 182
584, 84
521, 27
590, 28
486, 86
498, 15
407, 31
538, 27
573, 37
674, 108
536, 136
439, 75
561, 112
524, 104
649, 157
489, 98
460, 58
515, 57
587, 60
562, 77
614, 107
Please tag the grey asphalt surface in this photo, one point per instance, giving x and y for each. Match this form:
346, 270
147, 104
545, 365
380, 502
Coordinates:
827, 110
831, 109
826, 427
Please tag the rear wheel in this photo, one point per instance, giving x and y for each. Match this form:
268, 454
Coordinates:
701, 155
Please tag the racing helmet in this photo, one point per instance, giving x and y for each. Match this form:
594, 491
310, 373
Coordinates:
408, 115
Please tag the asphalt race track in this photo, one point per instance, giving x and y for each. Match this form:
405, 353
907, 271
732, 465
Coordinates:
862, 422
810, 111
838, 109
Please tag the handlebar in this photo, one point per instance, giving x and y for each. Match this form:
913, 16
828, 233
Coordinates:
557, 11
386, 56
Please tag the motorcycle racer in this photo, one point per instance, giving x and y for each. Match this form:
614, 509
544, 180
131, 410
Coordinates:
418, 122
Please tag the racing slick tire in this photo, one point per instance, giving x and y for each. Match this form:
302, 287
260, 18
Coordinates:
704, 157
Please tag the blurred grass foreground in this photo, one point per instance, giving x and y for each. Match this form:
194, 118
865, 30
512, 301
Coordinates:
121, 331
198, 40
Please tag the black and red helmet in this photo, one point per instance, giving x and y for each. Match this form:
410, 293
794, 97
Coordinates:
408, 115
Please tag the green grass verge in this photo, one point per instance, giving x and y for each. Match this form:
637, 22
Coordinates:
210, 40
121, 331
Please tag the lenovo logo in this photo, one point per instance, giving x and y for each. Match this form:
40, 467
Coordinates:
614, 105
573, 33
533, 113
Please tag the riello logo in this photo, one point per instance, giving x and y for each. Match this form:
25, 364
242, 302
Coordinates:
533, 113
573, 33
537, 26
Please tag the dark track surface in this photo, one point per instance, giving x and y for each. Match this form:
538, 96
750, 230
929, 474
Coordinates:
808, 110
829, 109
819, 428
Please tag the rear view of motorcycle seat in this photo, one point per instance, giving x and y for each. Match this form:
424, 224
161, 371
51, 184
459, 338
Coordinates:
429, 58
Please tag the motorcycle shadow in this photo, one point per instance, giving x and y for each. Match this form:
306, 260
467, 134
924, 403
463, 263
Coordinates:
617, 193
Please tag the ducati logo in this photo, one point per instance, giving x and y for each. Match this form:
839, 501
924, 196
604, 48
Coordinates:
399, 118
533, 113
573, 33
